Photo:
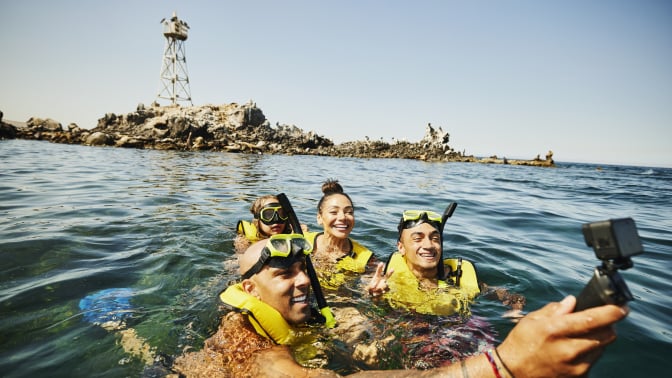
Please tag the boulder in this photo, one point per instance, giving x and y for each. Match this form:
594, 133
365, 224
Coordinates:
7, 131
99, 138
39, 124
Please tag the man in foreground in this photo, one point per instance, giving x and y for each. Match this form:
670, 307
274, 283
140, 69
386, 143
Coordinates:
273, 296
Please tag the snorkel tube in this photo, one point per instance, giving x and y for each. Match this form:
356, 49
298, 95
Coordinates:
441, 272
330, 321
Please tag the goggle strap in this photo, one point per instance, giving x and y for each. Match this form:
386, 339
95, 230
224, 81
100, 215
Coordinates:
256, 268
270, 251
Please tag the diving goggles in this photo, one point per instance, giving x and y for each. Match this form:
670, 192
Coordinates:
411, 218
272, 213
414, 215
281, 251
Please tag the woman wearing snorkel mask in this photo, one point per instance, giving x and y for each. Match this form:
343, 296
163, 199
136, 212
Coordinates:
269, 219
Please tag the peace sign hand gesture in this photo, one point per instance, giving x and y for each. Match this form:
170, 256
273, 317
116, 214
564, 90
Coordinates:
378, 284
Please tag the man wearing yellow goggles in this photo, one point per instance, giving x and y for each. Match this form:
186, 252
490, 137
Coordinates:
275, 273
281, 251
420, 244
419, 250
420, 255
412, 218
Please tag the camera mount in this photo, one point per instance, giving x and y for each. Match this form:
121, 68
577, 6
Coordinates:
613, 241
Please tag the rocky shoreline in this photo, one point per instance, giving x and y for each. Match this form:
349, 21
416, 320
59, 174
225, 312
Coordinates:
239, 129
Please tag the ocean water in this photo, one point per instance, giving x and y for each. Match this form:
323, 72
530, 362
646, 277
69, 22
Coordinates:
76, 220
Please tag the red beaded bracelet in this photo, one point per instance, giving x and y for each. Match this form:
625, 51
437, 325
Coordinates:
495, 369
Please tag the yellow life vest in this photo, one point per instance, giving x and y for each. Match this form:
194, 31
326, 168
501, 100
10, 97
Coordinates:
354, 262
335, 276
267, 321
447, 299
249, 230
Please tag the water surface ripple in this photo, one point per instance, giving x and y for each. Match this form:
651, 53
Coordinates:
75, 220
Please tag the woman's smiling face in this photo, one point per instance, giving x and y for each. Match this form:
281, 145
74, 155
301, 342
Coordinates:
337, 216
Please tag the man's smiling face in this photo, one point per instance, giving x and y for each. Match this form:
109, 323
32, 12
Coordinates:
421, 247
285, 288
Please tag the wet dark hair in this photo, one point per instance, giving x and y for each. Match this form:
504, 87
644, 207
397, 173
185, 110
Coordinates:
330, 188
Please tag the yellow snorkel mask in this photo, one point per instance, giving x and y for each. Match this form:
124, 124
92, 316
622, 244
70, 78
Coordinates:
412, 218
281, 251
272, 213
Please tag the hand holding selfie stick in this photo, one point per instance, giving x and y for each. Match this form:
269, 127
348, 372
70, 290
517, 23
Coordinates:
613, 241
330, 321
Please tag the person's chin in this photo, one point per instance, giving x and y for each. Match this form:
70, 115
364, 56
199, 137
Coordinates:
431, 265
301, 313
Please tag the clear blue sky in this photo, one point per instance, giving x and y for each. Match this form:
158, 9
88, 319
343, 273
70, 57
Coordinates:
590, 80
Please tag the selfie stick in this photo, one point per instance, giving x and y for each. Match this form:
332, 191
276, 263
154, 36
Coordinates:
447, 214
330, 321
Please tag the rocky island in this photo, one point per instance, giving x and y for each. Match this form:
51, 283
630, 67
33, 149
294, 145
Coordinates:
239, 129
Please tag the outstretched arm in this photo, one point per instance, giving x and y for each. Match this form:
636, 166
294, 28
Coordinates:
513, 300
550, 342
554, 341
279, 362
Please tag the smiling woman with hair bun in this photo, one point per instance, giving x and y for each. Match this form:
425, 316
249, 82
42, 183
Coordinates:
333, 249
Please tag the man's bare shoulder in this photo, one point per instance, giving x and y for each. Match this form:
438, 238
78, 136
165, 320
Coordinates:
237, 339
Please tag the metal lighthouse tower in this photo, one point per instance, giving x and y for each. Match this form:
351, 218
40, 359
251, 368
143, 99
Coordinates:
174, 78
